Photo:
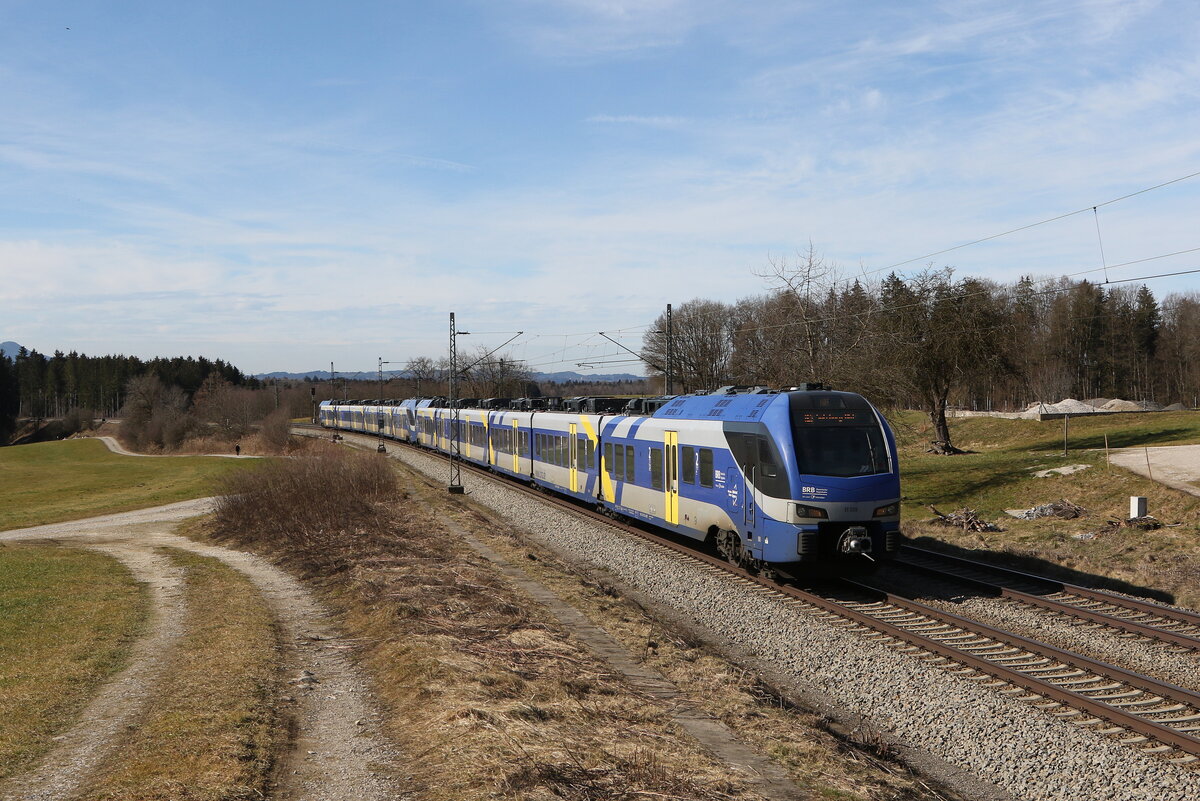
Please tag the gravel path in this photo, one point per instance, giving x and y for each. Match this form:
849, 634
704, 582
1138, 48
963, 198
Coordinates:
1004, 743
339, 753
115, 446
1176, 466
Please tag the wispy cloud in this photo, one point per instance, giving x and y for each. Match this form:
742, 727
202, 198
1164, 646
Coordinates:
634, 119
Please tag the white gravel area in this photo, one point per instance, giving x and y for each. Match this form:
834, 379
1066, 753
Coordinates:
1004, 742
1176, 466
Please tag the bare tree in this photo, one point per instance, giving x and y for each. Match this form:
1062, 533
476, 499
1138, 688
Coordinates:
421, 370
154, 415
802, 287
703, 344
230, 409
491, 375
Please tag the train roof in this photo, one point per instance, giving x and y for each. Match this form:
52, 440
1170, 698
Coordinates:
751, 406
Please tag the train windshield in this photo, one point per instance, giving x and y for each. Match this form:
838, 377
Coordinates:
837, 434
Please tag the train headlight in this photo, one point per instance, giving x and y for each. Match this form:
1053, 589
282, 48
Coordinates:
810, 512
887, 511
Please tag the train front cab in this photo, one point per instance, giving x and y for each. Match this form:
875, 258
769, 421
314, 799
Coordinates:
733, 471
845, 476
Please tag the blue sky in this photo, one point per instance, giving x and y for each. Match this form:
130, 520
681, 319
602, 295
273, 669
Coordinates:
286, 184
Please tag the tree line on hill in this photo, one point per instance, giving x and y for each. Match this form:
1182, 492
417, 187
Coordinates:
75, 385
934, 340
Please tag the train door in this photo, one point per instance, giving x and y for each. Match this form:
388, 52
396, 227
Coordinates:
516, 452
572, 456
671, 482
750, 507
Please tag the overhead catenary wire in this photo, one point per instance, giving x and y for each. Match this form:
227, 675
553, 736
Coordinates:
1100, 239
1046, 221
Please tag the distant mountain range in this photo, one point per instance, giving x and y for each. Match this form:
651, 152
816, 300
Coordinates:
369, 375
9, 349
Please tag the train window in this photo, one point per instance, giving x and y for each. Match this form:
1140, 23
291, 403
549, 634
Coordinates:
591, 455
687, 464
629, 472
608, 458
619, 462
706, 467
523, 443
581, 453
656, 468
541, 447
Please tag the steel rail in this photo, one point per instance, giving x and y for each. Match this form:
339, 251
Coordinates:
1154, 629
1181, 740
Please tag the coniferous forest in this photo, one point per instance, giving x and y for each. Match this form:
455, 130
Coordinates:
34, 385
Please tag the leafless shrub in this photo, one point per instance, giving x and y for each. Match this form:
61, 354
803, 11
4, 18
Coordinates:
154, 415
76, 420
275, 429
606, 777
304, 505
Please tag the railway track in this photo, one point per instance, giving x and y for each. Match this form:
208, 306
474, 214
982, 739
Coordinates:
1132, 617
1143, 712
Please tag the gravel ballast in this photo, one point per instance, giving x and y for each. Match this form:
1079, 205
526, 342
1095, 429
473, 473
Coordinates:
1004, 742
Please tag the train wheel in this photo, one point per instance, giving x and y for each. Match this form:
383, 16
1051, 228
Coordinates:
729, 545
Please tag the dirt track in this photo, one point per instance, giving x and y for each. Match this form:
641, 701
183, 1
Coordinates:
338, 753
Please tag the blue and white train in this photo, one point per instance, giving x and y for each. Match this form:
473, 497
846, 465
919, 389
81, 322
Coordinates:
767, 477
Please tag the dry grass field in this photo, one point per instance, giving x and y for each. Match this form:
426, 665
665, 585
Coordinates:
489, 697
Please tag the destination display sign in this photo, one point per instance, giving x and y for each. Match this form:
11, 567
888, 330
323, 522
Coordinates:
833, 417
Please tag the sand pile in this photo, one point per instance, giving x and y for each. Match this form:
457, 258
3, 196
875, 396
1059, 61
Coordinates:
1072, 406
1094, 405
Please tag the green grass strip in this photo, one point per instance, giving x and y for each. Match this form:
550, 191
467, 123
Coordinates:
68, 618
50, 482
